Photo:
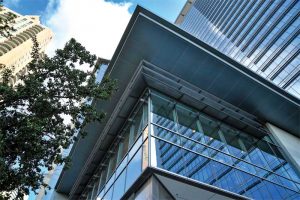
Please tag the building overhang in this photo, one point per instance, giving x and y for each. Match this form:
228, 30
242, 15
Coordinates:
157, 54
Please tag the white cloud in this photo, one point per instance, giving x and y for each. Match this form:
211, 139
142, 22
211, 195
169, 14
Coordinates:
96, 24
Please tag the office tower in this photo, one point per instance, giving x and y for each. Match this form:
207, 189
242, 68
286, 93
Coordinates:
261, 35
15, 51
187, 122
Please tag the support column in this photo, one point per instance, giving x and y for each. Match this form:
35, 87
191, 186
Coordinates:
289, 143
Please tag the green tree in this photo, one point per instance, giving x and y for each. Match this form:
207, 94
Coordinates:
32, 127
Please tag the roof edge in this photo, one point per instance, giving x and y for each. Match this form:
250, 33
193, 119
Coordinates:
185, 9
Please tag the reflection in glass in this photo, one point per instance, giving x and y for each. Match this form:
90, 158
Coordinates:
186, 142
108, 195
163, 112
119, 186
196, 146
134, 169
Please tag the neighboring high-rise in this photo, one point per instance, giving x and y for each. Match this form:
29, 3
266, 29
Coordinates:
187, 122
15, 51
262, 35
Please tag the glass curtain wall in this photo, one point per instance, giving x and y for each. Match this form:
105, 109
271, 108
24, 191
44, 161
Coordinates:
188, 143
124, 161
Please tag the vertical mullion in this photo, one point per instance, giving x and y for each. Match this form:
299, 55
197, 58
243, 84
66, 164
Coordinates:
150, 129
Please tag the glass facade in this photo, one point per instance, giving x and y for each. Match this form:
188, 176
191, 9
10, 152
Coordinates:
196, 146
125, 161
262, 35
187, 143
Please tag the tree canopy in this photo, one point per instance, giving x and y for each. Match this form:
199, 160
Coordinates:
32, 126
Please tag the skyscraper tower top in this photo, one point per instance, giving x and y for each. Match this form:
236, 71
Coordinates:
15, 49
261, 35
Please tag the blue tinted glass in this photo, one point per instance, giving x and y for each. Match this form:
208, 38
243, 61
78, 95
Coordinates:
162, 112
212, 152
100, 196
119, 186
121, 166
108, 195
134, 169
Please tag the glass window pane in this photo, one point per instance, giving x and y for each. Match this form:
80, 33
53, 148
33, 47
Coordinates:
121, 166
111, 166
138, 122
126, 141
119, 186
134, 169
102, 178
166, 135
120, 153
95, 189
163, 112
100, 196
207, 150
110, 182
186, 119
108, 195
135, 147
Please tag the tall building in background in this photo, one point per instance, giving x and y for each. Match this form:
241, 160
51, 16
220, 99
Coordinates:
15, 51
261, 35
187, 122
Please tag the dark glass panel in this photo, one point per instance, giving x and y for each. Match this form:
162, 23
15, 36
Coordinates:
126, 140
95, 189
163, 112
138, 122
186, 119
120, 153
112, 165
103, 178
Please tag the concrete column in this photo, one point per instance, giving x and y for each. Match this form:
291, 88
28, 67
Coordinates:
289, 143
